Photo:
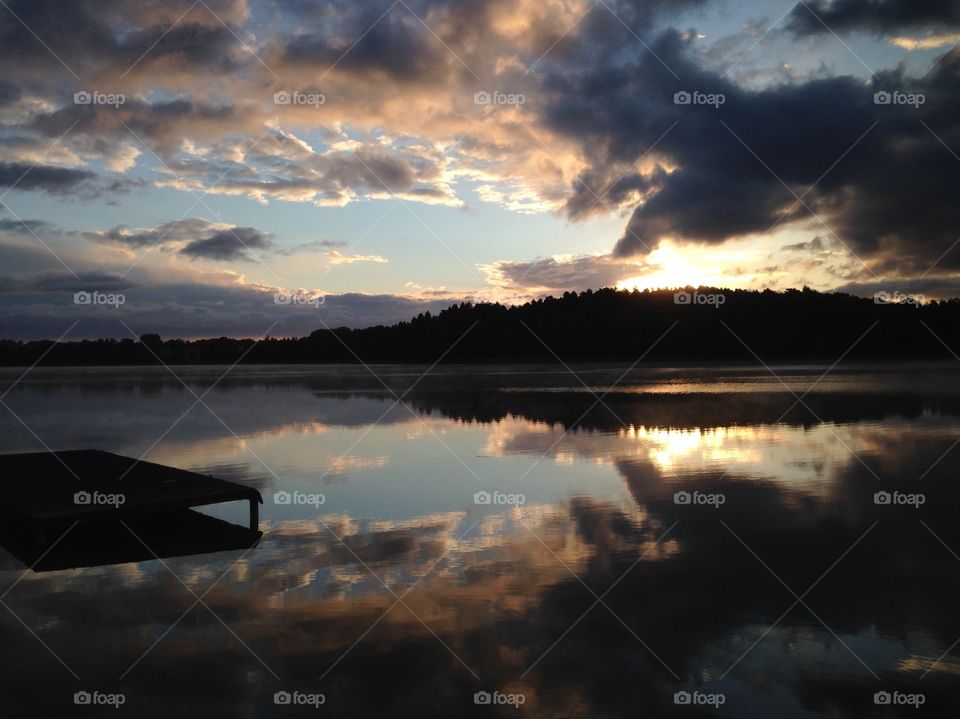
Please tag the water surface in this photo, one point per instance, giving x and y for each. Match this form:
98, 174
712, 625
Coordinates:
590, 590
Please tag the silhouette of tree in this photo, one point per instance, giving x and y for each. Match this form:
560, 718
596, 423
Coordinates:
715, 325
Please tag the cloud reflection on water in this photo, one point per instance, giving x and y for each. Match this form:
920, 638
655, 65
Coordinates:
500, 586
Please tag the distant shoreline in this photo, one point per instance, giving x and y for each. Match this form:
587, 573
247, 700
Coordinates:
651, 327
611, 363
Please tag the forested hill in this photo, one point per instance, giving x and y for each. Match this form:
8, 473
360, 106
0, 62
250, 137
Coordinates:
702, 325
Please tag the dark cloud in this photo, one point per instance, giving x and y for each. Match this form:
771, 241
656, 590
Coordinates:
937, 287
71, 28
25, 226
9, 93
816, 245
393, 48
193, 237
378, 171
55, 180
89, 38
231, 244
185, 46
738, 168
162, 125
178, 230
84, 281
43, 307
881, 16
598, 189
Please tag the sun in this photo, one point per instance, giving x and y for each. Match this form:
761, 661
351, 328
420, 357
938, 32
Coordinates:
673, 266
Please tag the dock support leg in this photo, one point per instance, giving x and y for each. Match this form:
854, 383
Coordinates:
254, 515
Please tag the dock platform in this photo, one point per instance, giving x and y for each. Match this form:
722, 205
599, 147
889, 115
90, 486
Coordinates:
49, 487
105, 499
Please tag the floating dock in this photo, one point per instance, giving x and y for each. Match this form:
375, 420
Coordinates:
118, 509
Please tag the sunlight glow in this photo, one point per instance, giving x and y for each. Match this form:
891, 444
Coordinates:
675, 266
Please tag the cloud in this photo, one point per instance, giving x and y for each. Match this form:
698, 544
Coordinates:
163, 293
161, 125
194, 238
234, 243
555, 275
8, 93
312, 246
815, 245
930, 42
598, 134
391, 49
25, 226
113, 38
31, 151
739, 169
936, 287
338, 258
397, 103
44, 308
882, 16
84, 281
170, 232
54, 180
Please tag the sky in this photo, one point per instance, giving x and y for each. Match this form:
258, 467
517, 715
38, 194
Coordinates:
245, 168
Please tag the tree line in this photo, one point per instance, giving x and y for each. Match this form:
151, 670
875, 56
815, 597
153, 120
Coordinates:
606, 324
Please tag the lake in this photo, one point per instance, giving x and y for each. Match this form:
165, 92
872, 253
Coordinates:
521, 541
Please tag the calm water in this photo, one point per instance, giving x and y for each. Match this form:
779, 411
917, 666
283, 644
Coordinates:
585, 588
